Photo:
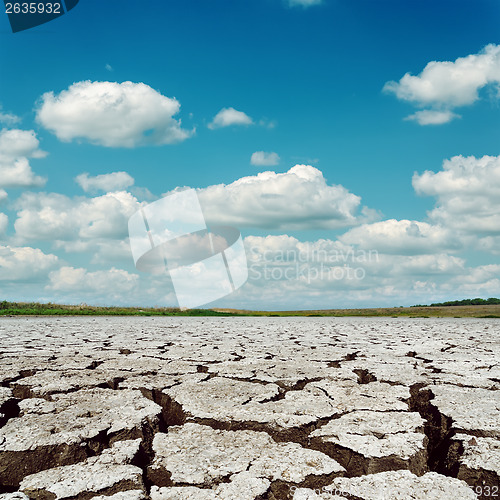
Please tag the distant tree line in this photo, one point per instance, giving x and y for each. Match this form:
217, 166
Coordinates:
464, 302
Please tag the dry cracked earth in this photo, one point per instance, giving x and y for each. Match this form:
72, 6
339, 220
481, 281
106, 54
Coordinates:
249, 408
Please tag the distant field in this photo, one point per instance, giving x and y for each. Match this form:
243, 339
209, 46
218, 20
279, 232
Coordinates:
479, 311
35, 309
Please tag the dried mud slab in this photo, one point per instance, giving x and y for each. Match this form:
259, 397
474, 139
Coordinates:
238, 404
70, 428
242, 486
124, 495
392, 485
47, 382
367, 442
108, 473
477, 461
198, 455
473, 411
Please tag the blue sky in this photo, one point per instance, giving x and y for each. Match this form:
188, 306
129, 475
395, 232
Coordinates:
306, 80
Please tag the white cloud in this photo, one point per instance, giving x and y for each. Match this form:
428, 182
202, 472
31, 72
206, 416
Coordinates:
432, 117
229, 116
16, 147
111, 251
15, 143
143, 194
304, 3
109, 67
3, 195
25, 263
297, 199
285, 273
19, 175
8, 118
467, 192
444, 85
489, 244
479, 275
112, 114
111, 281
52, 216
104, 251
263, 159
115, 181
450, 83
4, 221
403, 237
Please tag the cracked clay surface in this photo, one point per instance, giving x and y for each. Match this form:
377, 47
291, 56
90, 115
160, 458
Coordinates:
249, 408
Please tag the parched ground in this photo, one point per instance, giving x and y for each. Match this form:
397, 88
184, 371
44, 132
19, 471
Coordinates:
249, 408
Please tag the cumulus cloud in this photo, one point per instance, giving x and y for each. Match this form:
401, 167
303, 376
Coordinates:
3, 195
115, 181
4, 221
432, 117
284, 250
481, 280
263, 159
467, 191
229, 116
403, 237
286, 273
297, 199
52, 216
70, 279
25, 263
112, 114
15, 143
16, 148
444, 85
489, 244
8, 118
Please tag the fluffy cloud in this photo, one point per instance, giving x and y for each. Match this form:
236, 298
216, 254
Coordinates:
4, 221
467, 192
70, 279
297, 199
25, 263
112, 114
287, 273
444, 85
3, 195
16, 147
115, 181
229, 116
52, 216
8, 118
284, 251
402, 237
263, 159
432, 117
